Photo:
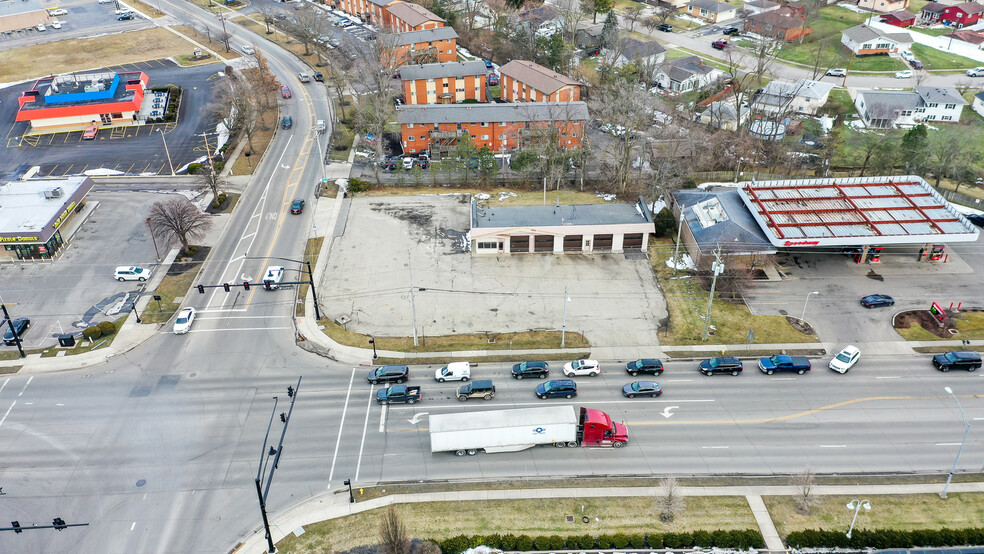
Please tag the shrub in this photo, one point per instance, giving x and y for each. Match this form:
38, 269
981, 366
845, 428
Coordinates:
194, 168
92, 332
359, 185
107, 328
507, 542
491, 541
454, 545
552, 542
579, 542
620, 540
523, 543
666, 223
637, 541
702, 539
654, 540
677, 540
217, 166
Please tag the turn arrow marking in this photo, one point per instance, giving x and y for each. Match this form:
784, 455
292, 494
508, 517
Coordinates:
416, 418
666, 411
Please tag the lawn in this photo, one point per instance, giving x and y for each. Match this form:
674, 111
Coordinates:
82, 345
905, 512
438, 520
936, 59
970, 325
525, 340
262, 135
172, 290
311, 250
145, 9
342, 134
686, 302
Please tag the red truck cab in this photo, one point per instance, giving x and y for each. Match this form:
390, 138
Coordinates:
597, 429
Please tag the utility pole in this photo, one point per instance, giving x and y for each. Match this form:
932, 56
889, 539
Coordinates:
676, 251
263, 492
413, 311
717, 268
563, 328
10, 325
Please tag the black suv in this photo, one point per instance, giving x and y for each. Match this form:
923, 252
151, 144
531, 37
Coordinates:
730, 30
945, 362
665, 27
21, 325
531, 369
721, 365
389, 374
476, 389
652, 367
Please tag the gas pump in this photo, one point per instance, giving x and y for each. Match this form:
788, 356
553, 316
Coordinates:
937, 252
873, 255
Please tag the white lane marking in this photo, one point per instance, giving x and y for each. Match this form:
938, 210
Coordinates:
890, 377
948, 444
199, 318
833, 446
382, 418
25, 386
134, 524
543, 402
668, 411
59, 404
716, 447
782, 378
341, 422
230, 329
7, 380
979, 419
8, 413
365, 428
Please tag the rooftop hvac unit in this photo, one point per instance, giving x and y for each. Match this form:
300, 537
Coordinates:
56, 192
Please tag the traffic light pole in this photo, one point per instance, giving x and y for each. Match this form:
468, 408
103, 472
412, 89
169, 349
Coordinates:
57, 523
261, 491
10, 324
310, 281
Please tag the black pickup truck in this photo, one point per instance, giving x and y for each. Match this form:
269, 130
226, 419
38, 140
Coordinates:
398, 394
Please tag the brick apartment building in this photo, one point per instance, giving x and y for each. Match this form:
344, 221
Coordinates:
416, 47
406, 16
370, 11
444, 83
525, 81
501, 127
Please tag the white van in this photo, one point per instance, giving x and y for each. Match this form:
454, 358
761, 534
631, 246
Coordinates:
273, 276
455, 371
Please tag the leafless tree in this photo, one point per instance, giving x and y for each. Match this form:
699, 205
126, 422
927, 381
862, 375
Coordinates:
662, 14
823, 50
308, 25
866, 146
633, 14
211, 178
269, 17
569, 12
945, 146
622, 103
374, 110
650, 23
393, 536
178, 220
669, 500
806, 497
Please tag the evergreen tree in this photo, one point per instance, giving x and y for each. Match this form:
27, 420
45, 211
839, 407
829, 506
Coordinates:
609, 32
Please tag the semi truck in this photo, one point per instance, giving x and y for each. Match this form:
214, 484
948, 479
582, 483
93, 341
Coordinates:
518, 429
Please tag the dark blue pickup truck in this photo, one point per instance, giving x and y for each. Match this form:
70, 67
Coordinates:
772, 364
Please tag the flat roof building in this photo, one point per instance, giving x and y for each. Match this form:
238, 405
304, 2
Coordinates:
76, 100
33, 213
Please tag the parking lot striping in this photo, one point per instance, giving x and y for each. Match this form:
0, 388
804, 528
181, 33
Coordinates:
341, 423
781, 418
365, 428
716, 447
833, 446
948, 444
890, 377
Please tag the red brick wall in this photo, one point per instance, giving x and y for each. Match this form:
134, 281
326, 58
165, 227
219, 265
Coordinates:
489, 135
467, 82
525, 93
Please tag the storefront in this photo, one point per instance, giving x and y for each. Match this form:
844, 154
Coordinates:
34, 213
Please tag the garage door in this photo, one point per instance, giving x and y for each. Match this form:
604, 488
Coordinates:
632, 241
543, 243
519, 244
572, 243
603, 243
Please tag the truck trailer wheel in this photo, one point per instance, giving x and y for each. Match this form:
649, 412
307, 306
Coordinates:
572, 445
459, 452
472, 451
560, 444
618, 444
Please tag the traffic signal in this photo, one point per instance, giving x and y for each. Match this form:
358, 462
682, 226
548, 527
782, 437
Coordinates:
290, 391
59, 523
283, 417
201, 289
267, 285
246, 285
225, 287
16, 526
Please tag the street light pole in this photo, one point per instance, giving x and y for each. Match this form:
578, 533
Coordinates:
372, 341
962, 443
168, 153
802, 317
348, 482
856, 505
156, 251
563, 327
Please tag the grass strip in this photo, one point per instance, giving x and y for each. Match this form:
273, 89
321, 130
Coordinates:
522, 340
172, 290
311, 250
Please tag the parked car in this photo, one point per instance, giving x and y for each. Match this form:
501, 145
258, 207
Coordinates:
58, 11
562, 388
41, 27
836, 72
56, 24
20, 326
488, 63
645, 365
390, 164
90, 132
408, 163
904, 74
590, 368
531, 369
297, 206
845, 359
182, 323
304, 77
287, 122
124, 16
916, 64
131, 273
976, 72
943, 362
719, 44
907, 55
493, 79
389, 374
730, 30
476, 389
665, 27
285, 91
424, 163
319, 77
642, 388
976, 219
721, 365
877, 301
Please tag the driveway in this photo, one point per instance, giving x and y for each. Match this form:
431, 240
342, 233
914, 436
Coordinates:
419, 242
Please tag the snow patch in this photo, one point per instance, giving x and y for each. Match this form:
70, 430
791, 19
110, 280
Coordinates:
102, 172
685, 262
826, 122
657, 205
503, 196
482, 196
606, 197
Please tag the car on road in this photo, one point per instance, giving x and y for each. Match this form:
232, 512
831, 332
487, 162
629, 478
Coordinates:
559, 388
131, 273
476, 389
845, 359
645, 365
389, 374
124, 16
665, 27
287, 122
943, 362
784, 363
642, 388
719, 44
297, 206
904, 74
976, 72
41, 27
730, 31
976, 219
319, 77
304, 77
285, 91
182, 324
531, 369
836, 72
721, 365
58, 11
877, 301
247, 49
590, 368
90, 132
20, 326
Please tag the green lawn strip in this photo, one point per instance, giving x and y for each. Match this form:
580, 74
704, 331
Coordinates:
686, 302
900, 511
534, 517
344, 134
936, 59
970, 325
572, 354
930, 32
311, 250
82, 345
741, 353
523, 340
842, 97
944, 349
171, 288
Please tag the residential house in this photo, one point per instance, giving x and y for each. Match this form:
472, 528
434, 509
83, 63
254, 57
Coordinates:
414, 47
888, 109
711, 11
968, 36
978, 105
370, 11
444, 83
883, 6
532, 19
868, 41
406, 16
501, 127
723, 115
900, 18
685, 74
759, 6
780, 98
648, 53
674, 4
959, 16
782, 24
588, 35
525, 81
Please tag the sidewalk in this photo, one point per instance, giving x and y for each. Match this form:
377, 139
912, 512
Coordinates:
334, 505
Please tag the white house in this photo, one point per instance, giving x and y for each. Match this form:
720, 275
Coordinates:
760, 6
888, 109
721, 114
686, 74
978, 105
868, 41
783, 97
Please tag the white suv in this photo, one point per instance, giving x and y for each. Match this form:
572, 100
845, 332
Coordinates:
131, 273
582, 367
976, 72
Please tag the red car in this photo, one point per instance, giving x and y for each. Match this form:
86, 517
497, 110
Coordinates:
90, 132
285, 91
719, 44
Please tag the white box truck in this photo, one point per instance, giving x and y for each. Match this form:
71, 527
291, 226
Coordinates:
522, 428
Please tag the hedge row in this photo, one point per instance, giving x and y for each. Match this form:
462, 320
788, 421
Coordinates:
737, 539
886, 538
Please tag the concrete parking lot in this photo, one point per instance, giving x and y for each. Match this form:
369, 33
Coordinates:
85, 18
75, 290
391, 244
132, 150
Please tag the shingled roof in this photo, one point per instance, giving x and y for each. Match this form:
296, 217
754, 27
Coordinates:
413, 14
536, 76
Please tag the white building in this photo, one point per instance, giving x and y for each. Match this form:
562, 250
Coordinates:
782, 97
888, 109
